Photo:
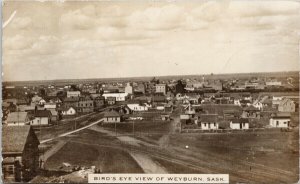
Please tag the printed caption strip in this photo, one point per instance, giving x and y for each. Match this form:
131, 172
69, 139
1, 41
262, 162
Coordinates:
158, 178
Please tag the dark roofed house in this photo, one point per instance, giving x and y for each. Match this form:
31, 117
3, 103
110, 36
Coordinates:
71, 102
239, 123
111, 100
20, 153
251, 112
208, 121
112, 117
41, 117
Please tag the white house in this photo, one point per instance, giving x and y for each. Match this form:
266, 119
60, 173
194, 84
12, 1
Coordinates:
137, 107
209, 121
239, 124
112, 117
68, 111
41, 117
257, 104
280, 120
129, 88
120, 97
73, 94
237, 102
49, 106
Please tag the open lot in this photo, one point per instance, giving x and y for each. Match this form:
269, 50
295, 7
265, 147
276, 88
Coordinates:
108, 159
270, 155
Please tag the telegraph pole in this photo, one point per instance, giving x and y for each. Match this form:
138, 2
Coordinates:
133, 127
116, 128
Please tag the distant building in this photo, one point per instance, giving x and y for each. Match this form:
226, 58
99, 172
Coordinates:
137, 107
41, 117
71, 102
208, 121
280, 120
141, 88
20, 154
286, 105
112, 117
111, 100
161, 88
71, 111
129, 88
73, 94
273, 83
240, 124
119, 96
17, 119
85, 105
99, 102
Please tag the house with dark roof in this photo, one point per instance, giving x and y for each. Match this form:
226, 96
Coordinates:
71, 102
112, 117
41, 117
20, 153
251, 112
208, 121
280, 120
99, 102
239, 123
85, 105
111, 100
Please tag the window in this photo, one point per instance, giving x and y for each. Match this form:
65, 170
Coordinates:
277, 123
205, 124
214, 124
10, 169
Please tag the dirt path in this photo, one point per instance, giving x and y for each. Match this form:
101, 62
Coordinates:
147, 164
125, 139
71, 132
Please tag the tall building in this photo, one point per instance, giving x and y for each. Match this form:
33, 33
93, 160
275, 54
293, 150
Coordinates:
161, 88
129, 88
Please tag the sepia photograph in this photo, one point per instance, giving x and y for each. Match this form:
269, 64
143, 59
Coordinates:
150, 91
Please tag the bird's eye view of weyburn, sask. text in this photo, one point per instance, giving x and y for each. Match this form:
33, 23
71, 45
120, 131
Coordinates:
152, 91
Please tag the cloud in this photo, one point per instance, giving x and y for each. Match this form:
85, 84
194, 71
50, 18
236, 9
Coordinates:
21, 22
157, 18
263, 8
17, 42
78, 19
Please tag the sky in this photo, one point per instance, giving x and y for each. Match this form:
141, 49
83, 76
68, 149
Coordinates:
45, 40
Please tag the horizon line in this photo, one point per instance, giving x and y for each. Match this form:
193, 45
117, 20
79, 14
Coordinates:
207, 74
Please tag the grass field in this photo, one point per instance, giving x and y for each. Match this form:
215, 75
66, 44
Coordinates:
91, 148
268, 151
140, 127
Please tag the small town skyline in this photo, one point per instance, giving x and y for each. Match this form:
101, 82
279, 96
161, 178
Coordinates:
152, 76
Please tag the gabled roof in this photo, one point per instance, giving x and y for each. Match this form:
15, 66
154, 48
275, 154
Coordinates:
14, 138
71, 99
284, 101
17, 117
240, 120
42, 113
208, 118
250, 108
282, 115
111, 114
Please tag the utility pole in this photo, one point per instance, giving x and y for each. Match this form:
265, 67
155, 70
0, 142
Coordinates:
116, 128
133, 127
